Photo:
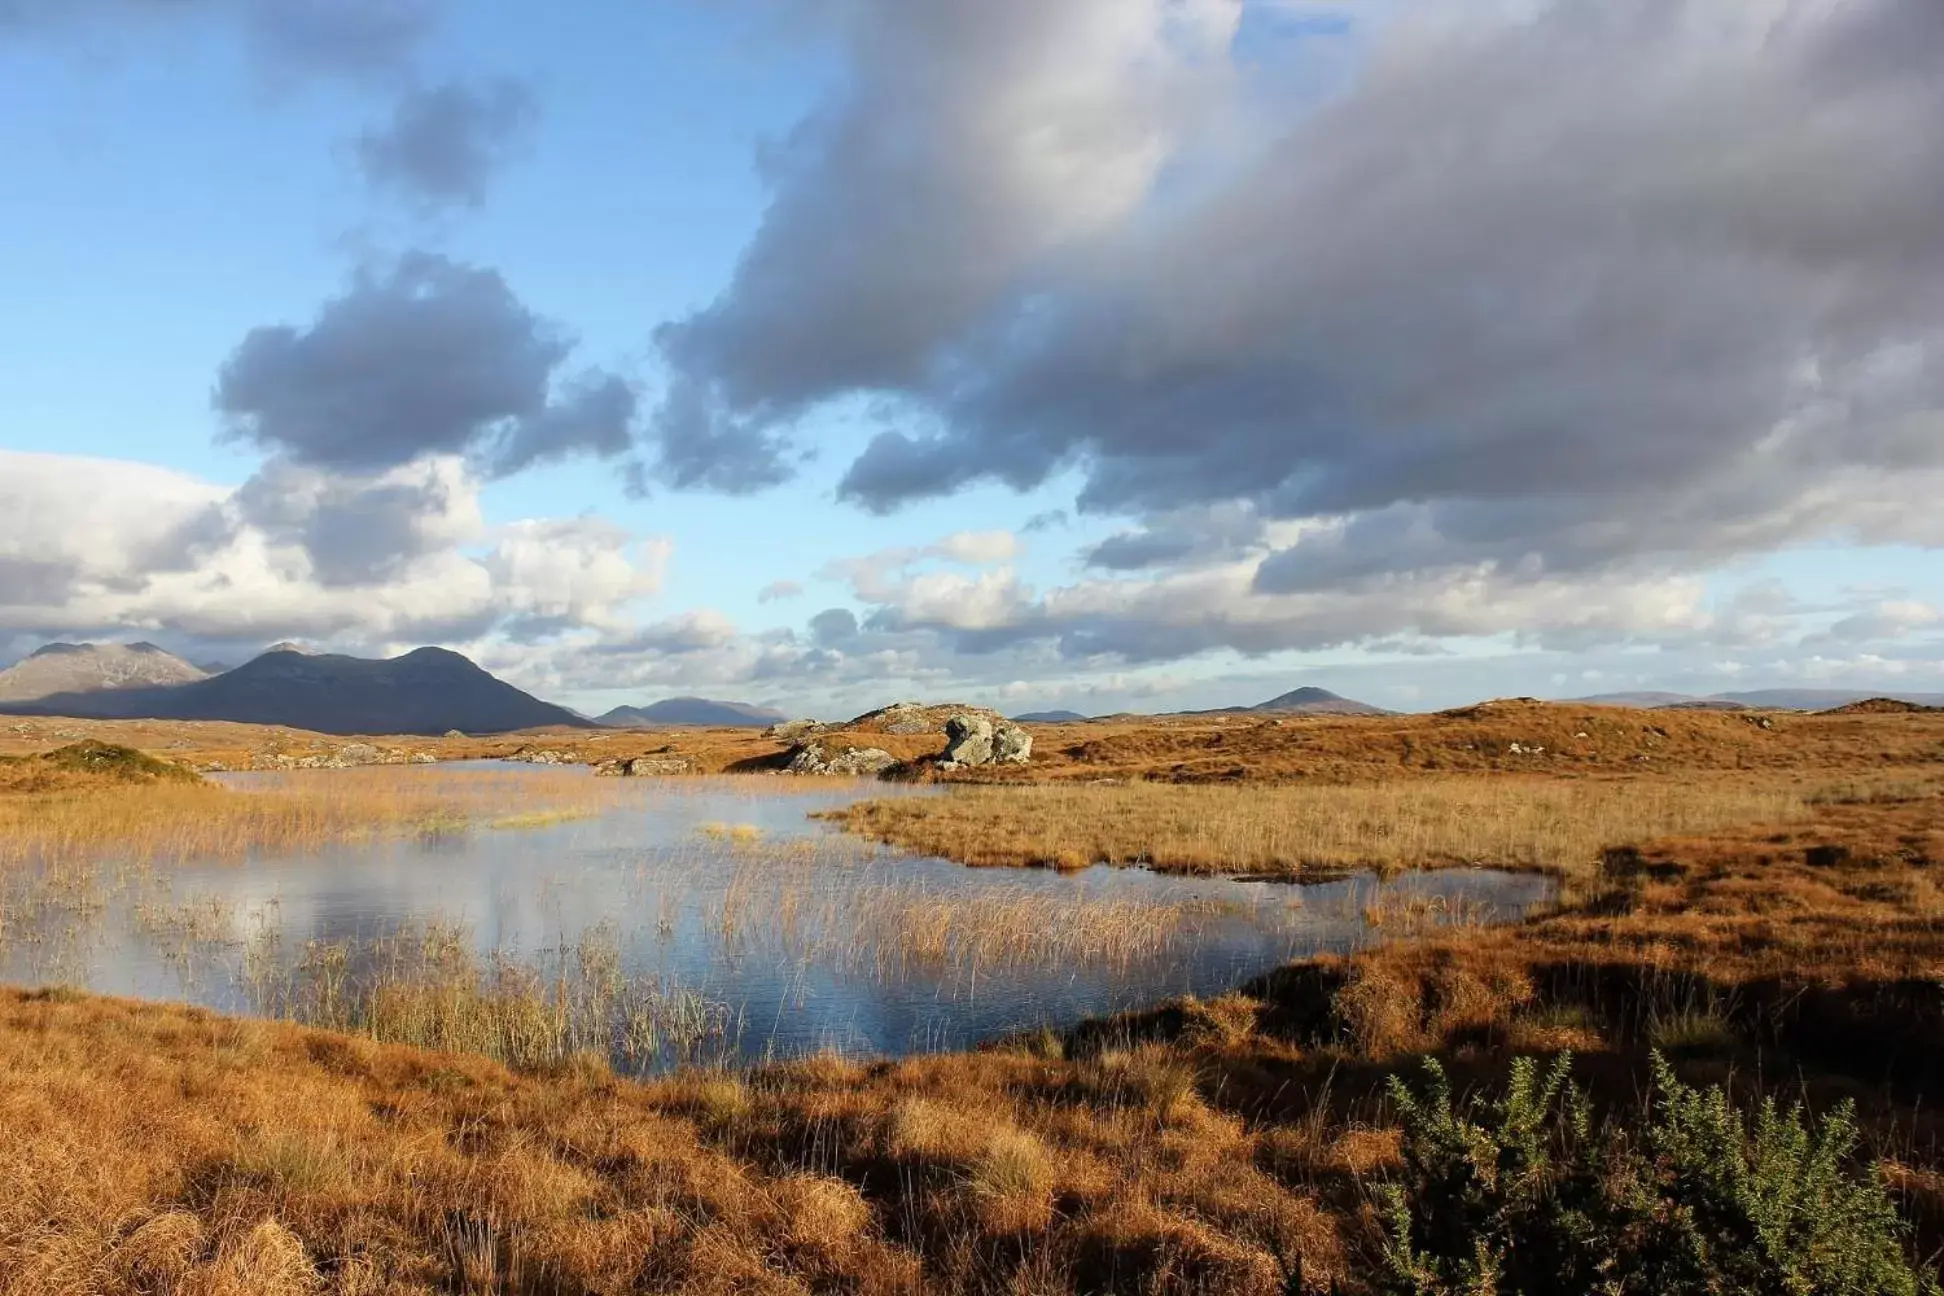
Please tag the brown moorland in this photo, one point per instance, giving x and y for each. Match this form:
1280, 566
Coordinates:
1557, 825
1197, 1147
1511, 736
1194, 1147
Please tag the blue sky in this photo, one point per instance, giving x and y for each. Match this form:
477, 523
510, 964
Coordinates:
1270, 296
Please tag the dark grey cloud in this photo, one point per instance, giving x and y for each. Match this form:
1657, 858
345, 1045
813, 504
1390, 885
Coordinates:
427, 356
1133, 550
698, 445
35, 582
593, 415
444, 143
356, 530
965, 147
833, 627
1204, 533
1563, 288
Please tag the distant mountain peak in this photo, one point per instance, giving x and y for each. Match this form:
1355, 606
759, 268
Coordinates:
87, 668
1310, 700
430, 690
1305, 695
287, 646
700, 712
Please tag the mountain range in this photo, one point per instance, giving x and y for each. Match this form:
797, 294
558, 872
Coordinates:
1763, 699
434, 690
691, 711
426, 691
91, 668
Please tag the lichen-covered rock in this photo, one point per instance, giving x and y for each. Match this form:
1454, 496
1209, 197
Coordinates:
968, 740
815, 758
808, 758
1011, 745
794, 729
641, 766
861, 762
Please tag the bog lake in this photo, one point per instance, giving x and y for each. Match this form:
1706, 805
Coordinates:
700, 920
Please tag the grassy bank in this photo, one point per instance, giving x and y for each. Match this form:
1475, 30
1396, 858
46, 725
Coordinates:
90, 802
1554, 825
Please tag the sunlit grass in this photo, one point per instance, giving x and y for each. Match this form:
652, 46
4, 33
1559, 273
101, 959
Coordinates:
1557, 826
284, 813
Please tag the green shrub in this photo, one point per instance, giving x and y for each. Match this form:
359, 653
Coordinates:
1524, 1194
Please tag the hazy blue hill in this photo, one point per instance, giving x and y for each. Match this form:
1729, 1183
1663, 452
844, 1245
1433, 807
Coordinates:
692, 711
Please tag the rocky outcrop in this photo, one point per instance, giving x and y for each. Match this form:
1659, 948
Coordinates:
349, 756
815, 758
968, 741
974, 740
793, 729
903, 718
1011, 745
541, 756
642, 767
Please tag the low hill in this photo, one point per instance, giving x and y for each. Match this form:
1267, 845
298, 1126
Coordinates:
1049, 717
1884, 706
1647, 698
93, 668
1316, 701
1776, 699
704, 712
426, 691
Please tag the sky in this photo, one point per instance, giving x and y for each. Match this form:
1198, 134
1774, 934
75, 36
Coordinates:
1092, 354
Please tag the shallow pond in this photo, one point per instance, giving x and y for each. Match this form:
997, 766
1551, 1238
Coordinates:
693, 919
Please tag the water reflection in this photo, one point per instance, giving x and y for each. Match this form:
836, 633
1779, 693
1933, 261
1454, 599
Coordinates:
691, 918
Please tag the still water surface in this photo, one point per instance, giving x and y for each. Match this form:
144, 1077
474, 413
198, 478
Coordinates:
727, 892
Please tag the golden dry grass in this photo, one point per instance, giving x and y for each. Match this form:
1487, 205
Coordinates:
1553, 825
1786, 933
83, 819
158, 1148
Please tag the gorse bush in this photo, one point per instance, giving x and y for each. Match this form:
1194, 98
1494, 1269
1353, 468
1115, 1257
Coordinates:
1526, 1194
